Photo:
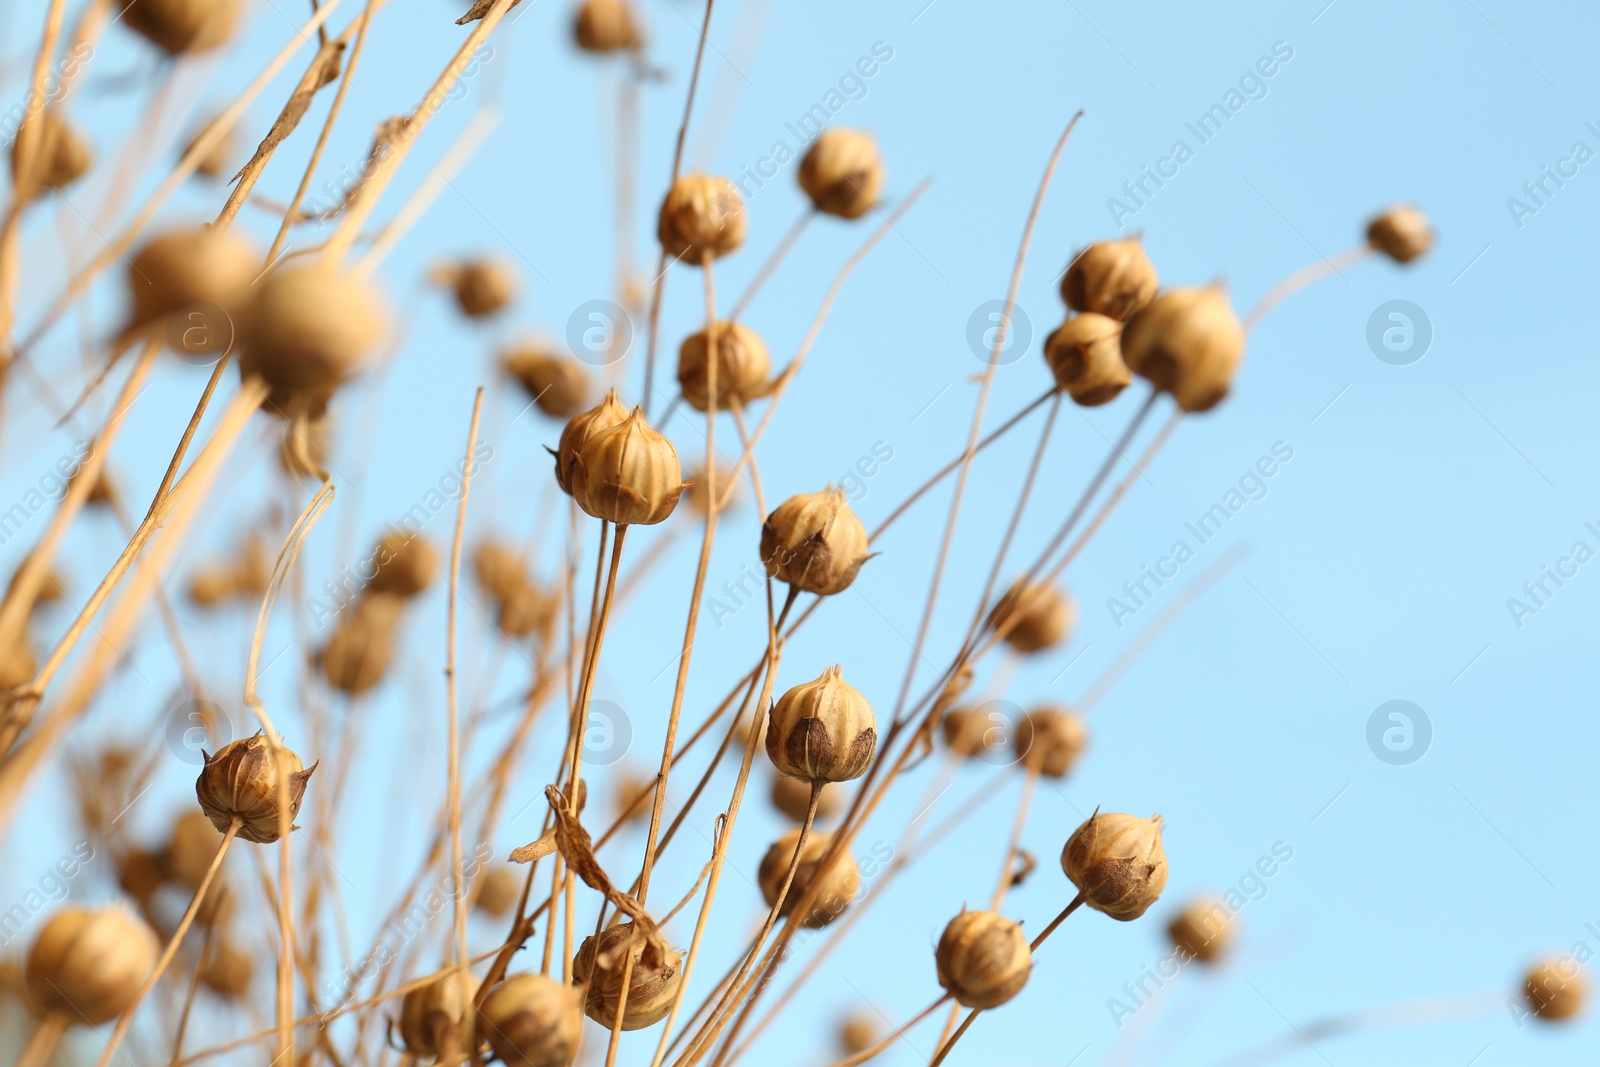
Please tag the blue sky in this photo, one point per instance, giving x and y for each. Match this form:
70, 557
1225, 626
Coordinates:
1377, 565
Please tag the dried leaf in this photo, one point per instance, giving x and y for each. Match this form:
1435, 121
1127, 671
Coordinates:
535, 850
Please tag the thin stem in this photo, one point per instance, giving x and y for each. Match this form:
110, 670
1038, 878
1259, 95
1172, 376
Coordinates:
866, 1054
776, 257
454, 773
44, 1040
1301, 278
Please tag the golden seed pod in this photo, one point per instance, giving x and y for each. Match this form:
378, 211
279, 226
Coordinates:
579, 429
1117, 862
437, 1019
743, 366
605, 26
1040, 616
140, 876
558, 385
822, 730
792, 796
1402, 233
88, 965
498, 567
210, 586
627, 788
815, 542
532, 1020
252, 570
627, 474
358, 654
228, 971
525, 611
1049, 740
406, 565
970, 732
308, 330
213, 163
183, 268
1202, 930
179, 26
1556, 988
982, 959
839, 886
654, 983
1111, 278
498, 891
241, 782
1085, 355
702, 215
1187, 342
842, 172
189, 852
481, 286
857, 1033
63, 154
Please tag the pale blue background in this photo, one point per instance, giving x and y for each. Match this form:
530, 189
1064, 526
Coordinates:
1379, 564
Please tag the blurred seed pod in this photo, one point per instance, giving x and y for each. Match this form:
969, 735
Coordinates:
702, 215
498, 890
1202, 930
406, 564
983, 959
970, 732
822, 730
241, 782
183, 26
605, 26
1112, 278
252, 568
627, 474
1050, 740
842, 172
1402, 233
498, 567
88, 965
839, 886
139, 875
210, 586
743, 366
627, 787
1117, 862
857, 1033
191, 274
309, 329
1188, 342
437, 1020
227, 971
357, 656
532, 1020
102, 493
213, 163
579, 429
792, 796
652, 986
216, 910
558, 385
188, 852
814, 542
482, 287
1556, 988
1085, 356
65, 156
525, 611
1041, 616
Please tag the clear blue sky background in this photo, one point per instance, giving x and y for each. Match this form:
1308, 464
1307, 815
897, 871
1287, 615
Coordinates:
1379, 563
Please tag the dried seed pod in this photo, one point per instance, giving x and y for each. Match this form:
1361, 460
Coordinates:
88, 965
103, 493
839, 886
532, 1020
815, 542
228, 971
696, 493
1049, 740
241, 782
358, 654
140, 876
1202, 930
213, 162
498, 890
654, 983
180, 26
1556, 988
217, 909
210, 586
627, 474
702, 215
252, 570
983, 959
189, 852
792, 796
63, 153
974, 732
743, 366
1040, 616
579, 429
857, 1033
498, 567
308, 329
1085, 355
1402, 233
1112, 278
842, 172
1117, 862
406, 564
437, 1019
822, 730
630, 784
605, 26
558, 385
1187, 342
481, 286
192, 273
525, 611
